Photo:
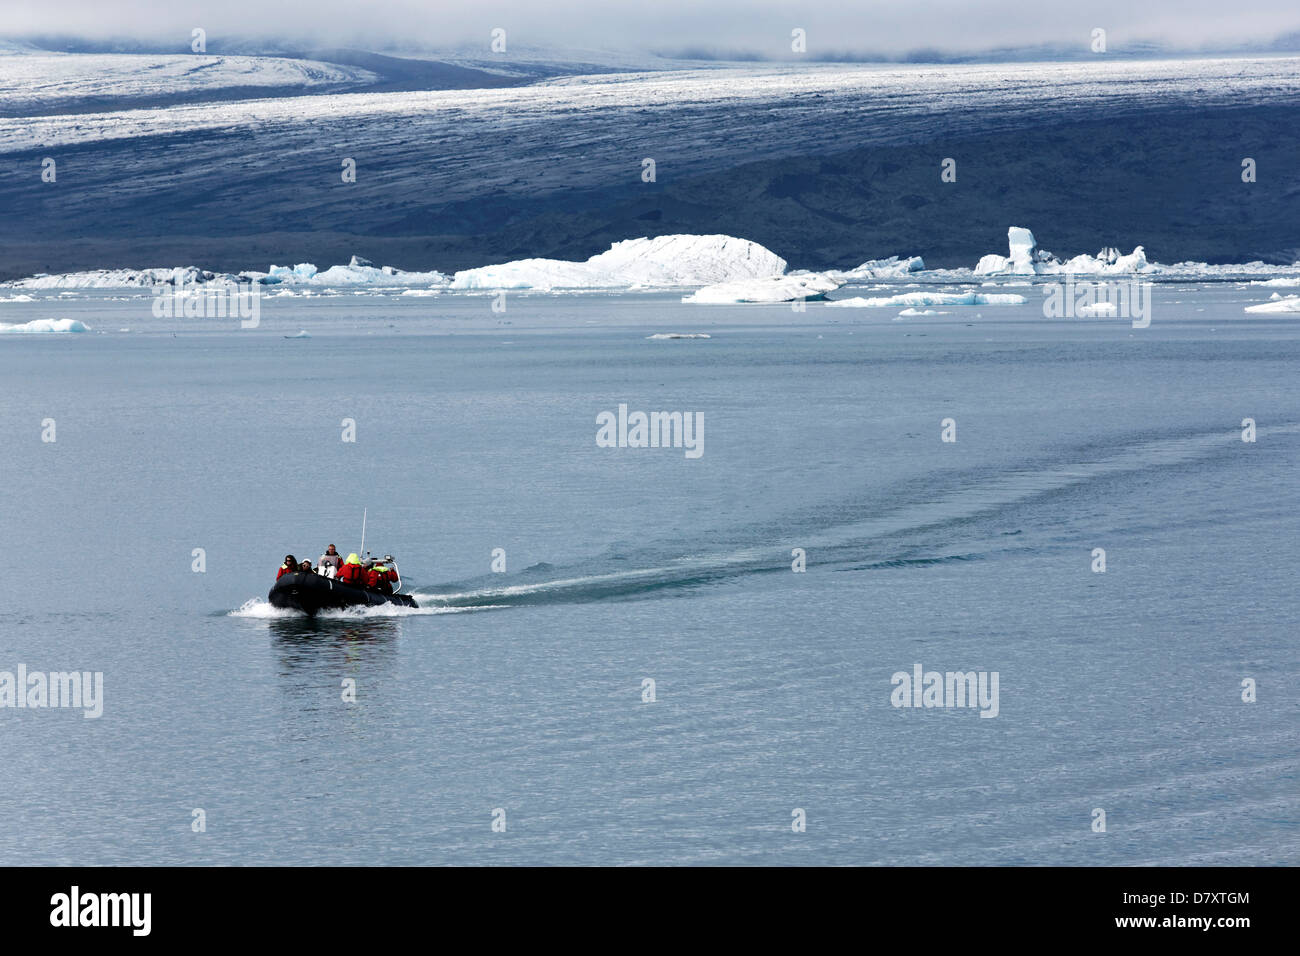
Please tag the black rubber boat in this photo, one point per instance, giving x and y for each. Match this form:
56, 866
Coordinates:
310, 593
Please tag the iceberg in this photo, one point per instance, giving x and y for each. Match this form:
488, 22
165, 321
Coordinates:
304, 270
786, 288
1277, 304
664, 336
662, 262
1025, 258
124, 279
358, 272
45, 325
891, 268
302, 274
916, 299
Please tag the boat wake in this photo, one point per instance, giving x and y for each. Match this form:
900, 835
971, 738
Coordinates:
952, 517
261, 609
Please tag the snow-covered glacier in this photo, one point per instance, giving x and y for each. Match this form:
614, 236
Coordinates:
553, 169
43, 81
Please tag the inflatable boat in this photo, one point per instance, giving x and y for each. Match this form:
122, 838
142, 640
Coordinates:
309, 593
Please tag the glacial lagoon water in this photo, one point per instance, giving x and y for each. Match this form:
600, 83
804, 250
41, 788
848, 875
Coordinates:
521, 696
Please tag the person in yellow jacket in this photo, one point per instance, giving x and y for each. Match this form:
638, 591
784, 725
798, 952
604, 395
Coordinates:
352, 572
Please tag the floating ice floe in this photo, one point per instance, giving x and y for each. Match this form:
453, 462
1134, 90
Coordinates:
931, 298
1280, 281
18, 298
1025, 258
679, 335
1277, 303
302, 334
662, 262
777, 288
910, 313
45, 325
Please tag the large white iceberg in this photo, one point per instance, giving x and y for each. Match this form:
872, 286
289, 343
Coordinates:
1025, 258
787, 288
661, 262
44, 325
914, 299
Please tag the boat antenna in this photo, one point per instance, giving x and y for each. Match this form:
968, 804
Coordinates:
363, 530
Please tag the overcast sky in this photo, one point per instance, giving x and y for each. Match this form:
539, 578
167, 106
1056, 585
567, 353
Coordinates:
760, 26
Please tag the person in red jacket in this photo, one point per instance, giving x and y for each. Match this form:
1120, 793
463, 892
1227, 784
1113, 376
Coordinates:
352, 572
289, 567
381, 577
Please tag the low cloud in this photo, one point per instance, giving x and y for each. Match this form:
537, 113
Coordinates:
753, 28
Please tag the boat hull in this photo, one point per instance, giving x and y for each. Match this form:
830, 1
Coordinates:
312, 593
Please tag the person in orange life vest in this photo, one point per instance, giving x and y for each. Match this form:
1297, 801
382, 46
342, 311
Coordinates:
289, 567
352, 572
